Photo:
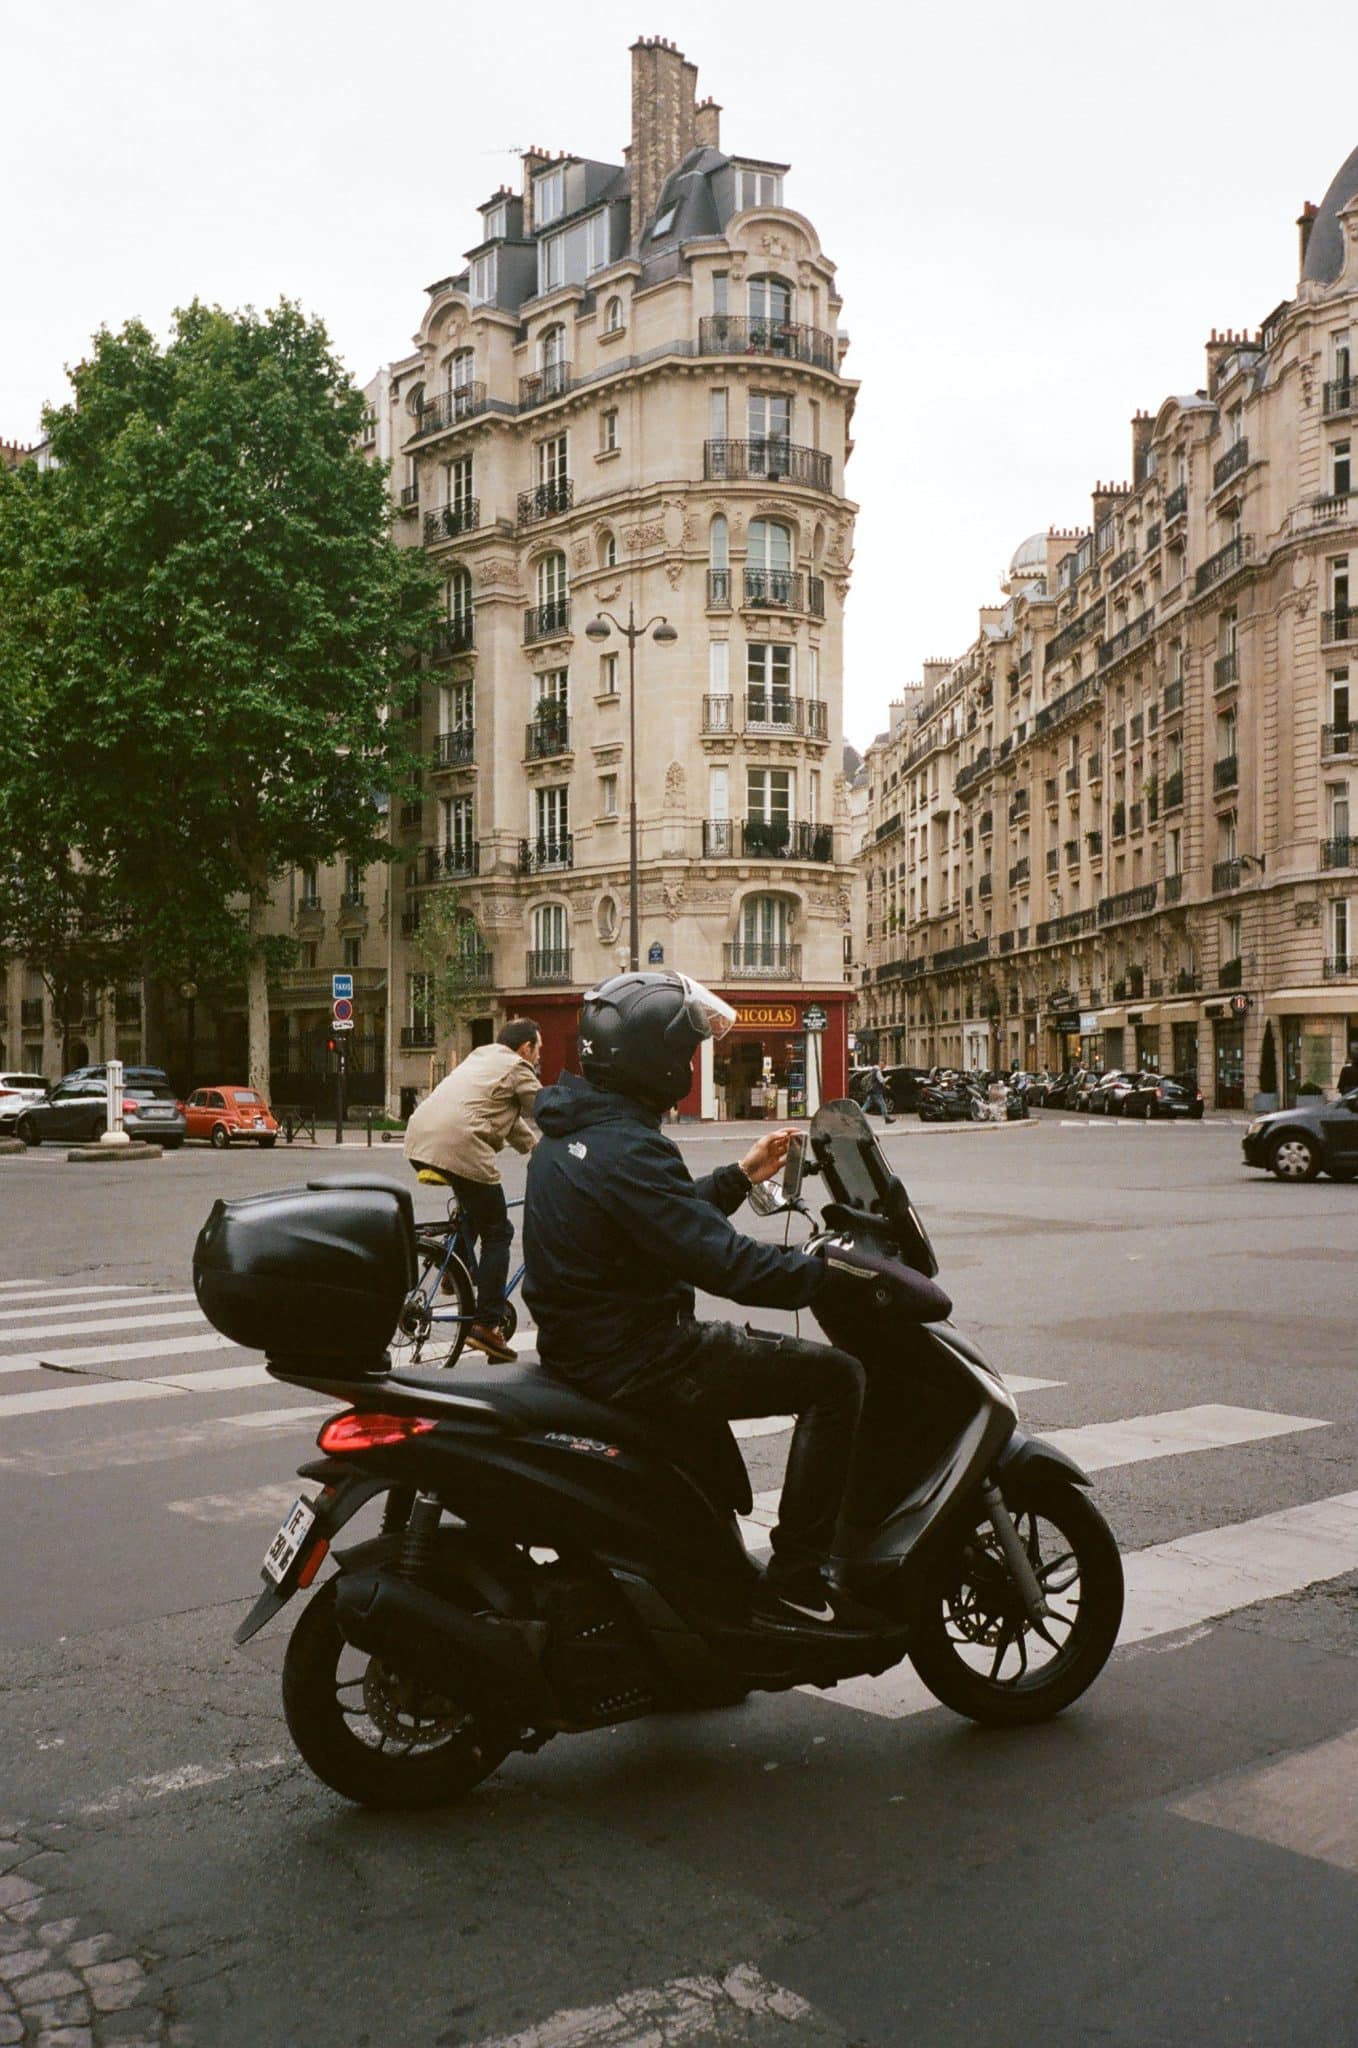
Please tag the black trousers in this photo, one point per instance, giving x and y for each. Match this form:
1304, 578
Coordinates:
483, 1205
735, 1373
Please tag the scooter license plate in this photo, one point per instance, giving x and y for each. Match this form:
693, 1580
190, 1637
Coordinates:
281, 1554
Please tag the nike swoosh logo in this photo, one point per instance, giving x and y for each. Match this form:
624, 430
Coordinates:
825, 1612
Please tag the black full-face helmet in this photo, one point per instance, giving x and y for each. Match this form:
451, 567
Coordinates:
639, 1032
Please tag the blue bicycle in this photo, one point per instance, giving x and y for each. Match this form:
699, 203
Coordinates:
441, 1307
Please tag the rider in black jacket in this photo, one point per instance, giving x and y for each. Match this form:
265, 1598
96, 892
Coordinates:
617, 1236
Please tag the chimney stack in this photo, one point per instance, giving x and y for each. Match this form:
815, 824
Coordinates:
534, 160
1305, 222
707, 124
664, 121
1143, 426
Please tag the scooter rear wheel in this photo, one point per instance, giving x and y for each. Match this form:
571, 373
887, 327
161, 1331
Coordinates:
975, 1647
370, 1733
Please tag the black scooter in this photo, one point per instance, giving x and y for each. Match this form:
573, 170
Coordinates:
548, 1564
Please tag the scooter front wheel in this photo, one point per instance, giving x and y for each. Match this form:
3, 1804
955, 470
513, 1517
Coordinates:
975, 1646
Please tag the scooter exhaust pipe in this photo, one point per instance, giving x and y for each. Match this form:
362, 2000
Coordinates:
428, 1638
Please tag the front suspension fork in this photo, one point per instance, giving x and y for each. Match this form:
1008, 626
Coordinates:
1016, 1557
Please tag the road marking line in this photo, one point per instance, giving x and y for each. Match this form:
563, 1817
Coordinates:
125, 1323
1209, 1427
49, 1306
1307, 1803
219, 1379
186, 1778
24, 1290
684, 2009
50, 1400
271, 1418
1180, 1585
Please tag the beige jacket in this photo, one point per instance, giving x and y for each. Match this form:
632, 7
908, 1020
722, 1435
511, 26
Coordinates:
480, 1107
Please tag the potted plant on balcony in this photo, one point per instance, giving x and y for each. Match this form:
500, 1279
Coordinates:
1267, 1096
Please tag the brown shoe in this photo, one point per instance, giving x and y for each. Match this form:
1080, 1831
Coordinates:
488, 1337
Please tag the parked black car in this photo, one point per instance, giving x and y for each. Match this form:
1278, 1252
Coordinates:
902, 1086
1315, 1137
1165, 1095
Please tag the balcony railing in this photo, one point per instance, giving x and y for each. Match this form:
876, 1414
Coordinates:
446, 522
1231, 463
1174, 696
719, 838
1174, 888
767, 713
786, 839
755, 962
1118, 743
767, 460
1019, 807
410, 497
1121, 564
1071, 850
1335, 742
1050, 790
1340, 395
453, 636
719, 714
1119, 821
1174, 790
718, 589
1337, 625
1018, 873
1053, 860
353, 899
417, 1038
546, 621
1341, 967
815, 596
972, 773
1226, 772
456, 747
1226, 875
546, 735
1176, 504
1339, 853
1135, 728
309, 905
985, 824
553, 964
736, 334
1223, 563
449, 409
538, 856
452, 862
1229, 974
774, 590
1073, 926
960, 956
985, 887
1073, 779
1094, 841
30, 1013
1226, 669
1135, 816
553, 380
545, 501
1131, 636
1128, 903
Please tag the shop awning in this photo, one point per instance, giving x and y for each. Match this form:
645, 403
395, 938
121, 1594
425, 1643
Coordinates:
1311, 1002
1180, 1013
1111, 1020
1143, 1013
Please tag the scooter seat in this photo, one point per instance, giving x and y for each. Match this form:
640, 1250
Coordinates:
526, 1397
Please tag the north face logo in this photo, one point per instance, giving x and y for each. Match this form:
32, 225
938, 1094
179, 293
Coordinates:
577, 1150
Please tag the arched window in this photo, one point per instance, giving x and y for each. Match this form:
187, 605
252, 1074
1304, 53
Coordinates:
553, 586
718, 561
552, 348
768, 563
461, 365
765, 922
608, 551
613, 316
550, 958
771, 300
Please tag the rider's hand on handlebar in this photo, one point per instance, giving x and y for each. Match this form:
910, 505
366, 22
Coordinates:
865, 1280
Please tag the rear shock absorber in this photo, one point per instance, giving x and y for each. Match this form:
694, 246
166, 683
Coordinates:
417, 1550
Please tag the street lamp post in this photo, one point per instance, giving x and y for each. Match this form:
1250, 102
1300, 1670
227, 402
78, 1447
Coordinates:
664, 634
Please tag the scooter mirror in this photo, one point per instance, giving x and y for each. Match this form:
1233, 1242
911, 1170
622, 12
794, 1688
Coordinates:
766, 1198
794, 1166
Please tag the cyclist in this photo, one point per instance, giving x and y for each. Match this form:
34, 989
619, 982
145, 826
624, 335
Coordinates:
454, 1135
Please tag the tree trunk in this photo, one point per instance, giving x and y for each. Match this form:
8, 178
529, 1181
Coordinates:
257, 1002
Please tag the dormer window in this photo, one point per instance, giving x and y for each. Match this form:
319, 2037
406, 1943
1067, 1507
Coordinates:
483, 279
758, 188
549, 195
497, 222
664, 222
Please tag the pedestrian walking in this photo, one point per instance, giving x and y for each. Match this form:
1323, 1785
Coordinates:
456, 1132
875, 1095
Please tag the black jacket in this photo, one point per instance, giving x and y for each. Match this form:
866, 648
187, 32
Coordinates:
617, 1234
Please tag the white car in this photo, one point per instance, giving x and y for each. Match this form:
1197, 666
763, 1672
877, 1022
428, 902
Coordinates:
17, 1091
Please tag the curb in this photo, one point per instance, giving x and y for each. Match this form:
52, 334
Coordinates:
116, 1155
10, 1148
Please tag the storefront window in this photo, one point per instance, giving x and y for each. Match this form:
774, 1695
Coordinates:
1291, 1061
1230, 1065
1186, 1049
1148, 1048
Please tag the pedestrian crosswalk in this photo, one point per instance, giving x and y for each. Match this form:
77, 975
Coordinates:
69, 1348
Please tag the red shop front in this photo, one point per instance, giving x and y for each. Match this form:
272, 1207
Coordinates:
769, 1065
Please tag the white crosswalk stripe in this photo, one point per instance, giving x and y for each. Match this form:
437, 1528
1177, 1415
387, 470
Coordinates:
41, 1332
86, 1308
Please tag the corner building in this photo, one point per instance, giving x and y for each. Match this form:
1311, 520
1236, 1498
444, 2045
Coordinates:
1119, 827
632, 397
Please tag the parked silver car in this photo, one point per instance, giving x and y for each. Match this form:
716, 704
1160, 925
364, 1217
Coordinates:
75, 1112
16, 1092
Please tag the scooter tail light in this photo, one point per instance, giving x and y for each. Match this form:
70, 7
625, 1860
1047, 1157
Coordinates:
353, 1431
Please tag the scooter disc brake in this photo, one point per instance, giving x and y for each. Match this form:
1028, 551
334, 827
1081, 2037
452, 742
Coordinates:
405, 1712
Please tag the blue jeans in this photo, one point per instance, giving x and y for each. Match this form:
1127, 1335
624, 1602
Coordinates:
876, 1099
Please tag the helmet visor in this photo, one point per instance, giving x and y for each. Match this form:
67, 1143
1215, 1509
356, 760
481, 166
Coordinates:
708, 1015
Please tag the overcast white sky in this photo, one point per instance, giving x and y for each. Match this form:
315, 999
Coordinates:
1037, 212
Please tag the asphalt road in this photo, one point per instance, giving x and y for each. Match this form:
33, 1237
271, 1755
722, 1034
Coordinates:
1176, 1860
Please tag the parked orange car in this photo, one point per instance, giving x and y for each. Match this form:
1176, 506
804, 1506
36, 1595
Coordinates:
222, 1114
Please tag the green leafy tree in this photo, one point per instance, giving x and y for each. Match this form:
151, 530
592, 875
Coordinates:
451, 961
229, 622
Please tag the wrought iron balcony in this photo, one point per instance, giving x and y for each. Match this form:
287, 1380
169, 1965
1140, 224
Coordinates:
1223, 563
417, 1038
1094, 768
546, 501
1019, 807
719, 714
718, 589
410, 497
960, 956
1230, 973
1135, 816
1339, 853
1335, 742
1231, 463
1128, 903
1226, 669
1340, 395
1119, 821
1135, 729
553, 380
353, 899
786, 839
553, 964
757, 962
815, 596
1094, 841
773, 590
985, 824
1152, 537
719, 838
1174, 888
737, 334
540, 855
1174, 790
410, 923
453, 636
1341, 967
967, 777
457, 747
455, 861
1050, 790
1174, 696
1131, 636
767, 460
308, 905
546, 621
1071, 849
1018, 873
1073, 926
766, 712
1176, 504
1337, 625
1053, 860
985, 887
446, 522
1119, 740
449, 409
1226, 875
412, 814
547, 734
1226, 772
1121, 565
1073, 780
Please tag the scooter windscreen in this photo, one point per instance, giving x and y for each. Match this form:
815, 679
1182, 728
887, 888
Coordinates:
858, 1177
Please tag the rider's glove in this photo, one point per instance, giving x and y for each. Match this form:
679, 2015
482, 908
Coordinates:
866, 1282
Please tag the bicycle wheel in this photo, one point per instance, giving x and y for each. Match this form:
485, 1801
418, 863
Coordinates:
435, 1317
